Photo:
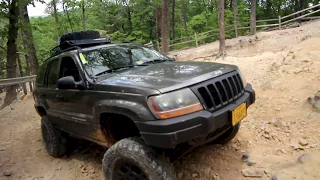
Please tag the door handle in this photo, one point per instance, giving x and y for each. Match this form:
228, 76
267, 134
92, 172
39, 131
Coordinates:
59, 96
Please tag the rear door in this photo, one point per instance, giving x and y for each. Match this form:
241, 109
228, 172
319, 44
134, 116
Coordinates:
40, 88
50, 90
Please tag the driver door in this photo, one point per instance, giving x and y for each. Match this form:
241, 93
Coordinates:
73, 105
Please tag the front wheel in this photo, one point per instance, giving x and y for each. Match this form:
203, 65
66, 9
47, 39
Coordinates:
131, 158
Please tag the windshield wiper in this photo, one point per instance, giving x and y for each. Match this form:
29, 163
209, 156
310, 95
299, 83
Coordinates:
158, 60
117, 68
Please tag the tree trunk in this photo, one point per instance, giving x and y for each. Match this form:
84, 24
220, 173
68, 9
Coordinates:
55, 12
164, 25
1, 72
2, 62
172, 18
128, 10
28, 70
296, 5
64, 12
300, 5
21, 75
129, 19
28, 42
303, 5
69, 20
314, 2
1, 67
11, 93
235, 16
83, 16
56, 16
253, 17
222, 47
268, 10
184, 14
158, 22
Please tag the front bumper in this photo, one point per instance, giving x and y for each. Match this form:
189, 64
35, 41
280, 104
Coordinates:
169, 133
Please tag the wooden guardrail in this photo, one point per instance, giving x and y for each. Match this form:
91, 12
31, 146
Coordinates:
16, 81
19, 81
194, 40
150, 44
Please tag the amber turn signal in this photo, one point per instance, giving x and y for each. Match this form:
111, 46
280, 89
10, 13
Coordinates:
180, 111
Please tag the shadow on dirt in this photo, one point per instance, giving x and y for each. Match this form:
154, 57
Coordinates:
85, 150
203, 162
211, 162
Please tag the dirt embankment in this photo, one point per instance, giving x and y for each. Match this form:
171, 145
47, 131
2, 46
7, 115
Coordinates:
283, 67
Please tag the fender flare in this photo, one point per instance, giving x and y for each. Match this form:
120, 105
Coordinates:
133, 110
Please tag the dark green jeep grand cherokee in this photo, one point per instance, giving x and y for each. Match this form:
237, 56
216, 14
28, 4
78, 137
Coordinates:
147, 108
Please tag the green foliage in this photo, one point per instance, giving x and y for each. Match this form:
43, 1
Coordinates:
135, 20
118, 37
45, 36
198, 23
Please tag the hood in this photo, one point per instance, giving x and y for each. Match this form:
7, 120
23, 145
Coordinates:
168, 76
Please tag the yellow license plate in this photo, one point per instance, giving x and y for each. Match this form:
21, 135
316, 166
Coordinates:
239, 113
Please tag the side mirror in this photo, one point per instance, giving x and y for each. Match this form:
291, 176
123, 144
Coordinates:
68, 82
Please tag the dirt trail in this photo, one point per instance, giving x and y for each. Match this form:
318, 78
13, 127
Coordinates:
284, 68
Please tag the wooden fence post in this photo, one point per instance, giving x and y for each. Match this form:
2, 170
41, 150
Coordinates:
196, 38
24, 88
279, 22
236, 28
30, 86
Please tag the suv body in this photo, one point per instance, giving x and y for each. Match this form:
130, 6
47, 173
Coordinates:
79, 111
119, 103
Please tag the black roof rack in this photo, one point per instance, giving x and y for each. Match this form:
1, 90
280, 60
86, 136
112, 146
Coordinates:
78, 44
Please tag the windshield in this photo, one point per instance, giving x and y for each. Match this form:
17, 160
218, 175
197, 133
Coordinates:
108, 58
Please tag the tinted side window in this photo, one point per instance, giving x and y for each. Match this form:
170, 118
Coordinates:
53, 73
69, 68
41, 74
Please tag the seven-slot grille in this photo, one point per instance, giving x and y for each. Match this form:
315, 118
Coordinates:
220, 91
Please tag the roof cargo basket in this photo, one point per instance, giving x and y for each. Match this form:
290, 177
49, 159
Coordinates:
78, 40
78, 44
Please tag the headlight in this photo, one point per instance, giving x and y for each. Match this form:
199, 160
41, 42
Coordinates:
174, 104
244, 81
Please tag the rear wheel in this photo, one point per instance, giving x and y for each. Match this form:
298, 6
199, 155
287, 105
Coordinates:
131, 158
227, 136
55, 141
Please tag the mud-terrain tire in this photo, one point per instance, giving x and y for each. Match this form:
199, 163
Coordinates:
79, 36
227, 136
132, 157
54, 140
